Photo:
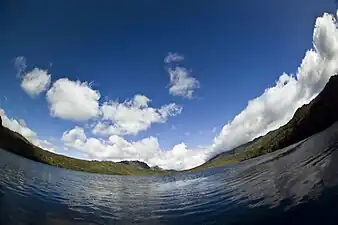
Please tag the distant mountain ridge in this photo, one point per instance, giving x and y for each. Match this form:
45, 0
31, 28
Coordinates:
308, 120
137, 163
18, 144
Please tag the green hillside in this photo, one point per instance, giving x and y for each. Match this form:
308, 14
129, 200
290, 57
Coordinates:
16, 143
309, 119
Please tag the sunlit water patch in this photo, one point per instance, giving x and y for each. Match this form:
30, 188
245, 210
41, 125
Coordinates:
295, 185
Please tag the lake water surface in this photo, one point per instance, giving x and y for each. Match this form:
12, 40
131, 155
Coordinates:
296, 185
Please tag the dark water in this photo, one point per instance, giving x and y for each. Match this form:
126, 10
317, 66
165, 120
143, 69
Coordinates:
296, 185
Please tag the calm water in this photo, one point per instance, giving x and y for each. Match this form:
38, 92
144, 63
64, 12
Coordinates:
296, 185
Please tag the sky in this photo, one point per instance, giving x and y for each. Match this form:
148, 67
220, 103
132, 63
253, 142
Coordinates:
170, 83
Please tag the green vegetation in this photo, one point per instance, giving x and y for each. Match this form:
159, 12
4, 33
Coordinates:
310, 119
16, 143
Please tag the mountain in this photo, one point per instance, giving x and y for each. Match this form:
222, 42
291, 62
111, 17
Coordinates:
16, 143
139, 164
308, 120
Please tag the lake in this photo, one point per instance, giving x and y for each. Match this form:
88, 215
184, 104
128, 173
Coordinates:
295, 185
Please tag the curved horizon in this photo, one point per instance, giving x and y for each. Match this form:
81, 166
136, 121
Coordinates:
93, 123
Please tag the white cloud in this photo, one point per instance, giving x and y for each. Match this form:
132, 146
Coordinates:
44, 144
106, 129
77, 133
132, 116
180, 157
141, 101
21, 127
35, 82
20, 64
148, 150
74, 137
277, 104
269, 111
22, 122
173, 57
73, 100
171, 109
181, 82
15, 125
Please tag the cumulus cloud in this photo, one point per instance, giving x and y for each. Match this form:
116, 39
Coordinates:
73, 100
181, 82
277, 104
35, 82
17, 126
74, 137
77, 133
262, 114
173, 57
116, 148
141, 101
21, 127
132, 116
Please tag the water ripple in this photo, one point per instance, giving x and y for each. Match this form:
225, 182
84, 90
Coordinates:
294, 179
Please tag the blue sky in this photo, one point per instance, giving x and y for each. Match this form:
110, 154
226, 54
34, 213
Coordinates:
234, 49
